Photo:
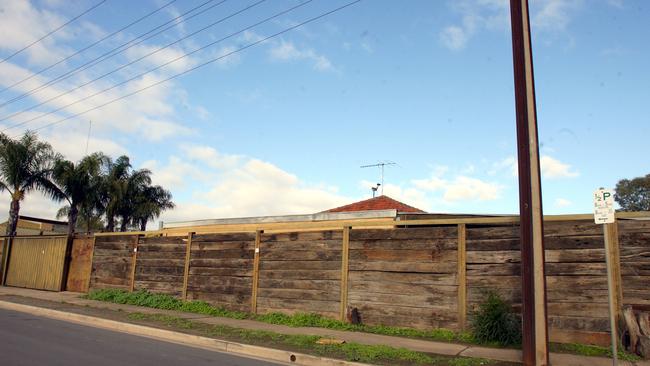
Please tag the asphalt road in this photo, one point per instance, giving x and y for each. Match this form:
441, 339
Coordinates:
30, 340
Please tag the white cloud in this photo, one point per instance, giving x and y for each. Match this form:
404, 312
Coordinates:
228, 56
553, 168
547, 16
461, 188
287, 51
562, 203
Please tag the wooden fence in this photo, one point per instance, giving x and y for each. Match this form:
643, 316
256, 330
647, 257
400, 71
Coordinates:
430, 274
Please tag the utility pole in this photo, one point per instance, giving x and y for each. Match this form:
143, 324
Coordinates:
381, 166
533, 281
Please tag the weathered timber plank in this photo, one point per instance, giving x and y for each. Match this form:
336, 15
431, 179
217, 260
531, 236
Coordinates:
285, 293
121, 246
301, 255
225, 299
303, 236
492, 232
228, 290
208, 245
570, 228
158, 248
209, 271
222, 263
301, 274
159, 286
578, 309
215, 238
224, 254
159, 255
157, 262
158, 278
412, 244
312, 265
633, 226
150, 270
574, 336
299, 304
198, 281
324, 285
404, 233
419, 255
408, 278
405, 301
579, 323
385, 266
163, 240
552, 256
334, 244
405, 289
100, 253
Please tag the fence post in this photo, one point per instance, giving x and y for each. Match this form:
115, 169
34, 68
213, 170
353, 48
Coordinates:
614, 260
345, 264
134, 260
6, 247
462, 277
186, 271
256, 270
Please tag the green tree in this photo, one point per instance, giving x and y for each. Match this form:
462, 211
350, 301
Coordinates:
26, 165
150, 202
113, 188
132, 188
633, 195
80, 185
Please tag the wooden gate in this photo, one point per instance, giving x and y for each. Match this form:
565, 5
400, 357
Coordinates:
37, 262
80, 264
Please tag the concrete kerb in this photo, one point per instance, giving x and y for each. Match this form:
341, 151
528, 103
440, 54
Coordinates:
256, 352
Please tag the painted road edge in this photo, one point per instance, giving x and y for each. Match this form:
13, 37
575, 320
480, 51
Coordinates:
211, 344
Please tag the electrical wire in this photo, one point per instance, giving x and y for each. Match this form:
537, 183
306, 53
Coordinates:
53, 31
115, 51
211, 61
129, 64
160, 66
88, 47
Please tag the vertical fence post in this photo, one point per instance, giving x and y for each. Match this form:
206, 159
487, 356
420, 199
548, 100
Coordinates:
186, 271
612, 253
256, 270
345, 264
134, 260
462, 277
6, 247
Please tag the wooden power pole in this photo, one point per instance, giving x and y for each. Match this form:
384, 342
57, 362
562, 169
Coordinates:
533, 281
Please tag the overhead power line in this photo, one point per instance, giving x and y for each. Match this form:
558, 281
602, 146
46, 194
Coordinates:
88, 47
211, 61
133, 62
53, 31
117, 50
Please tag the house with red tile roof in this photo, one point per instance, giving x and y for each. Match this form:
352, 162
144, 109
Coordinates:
382, 202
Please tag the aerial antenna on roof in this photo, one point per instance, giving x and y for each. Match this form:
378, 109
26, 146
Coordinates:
381, 165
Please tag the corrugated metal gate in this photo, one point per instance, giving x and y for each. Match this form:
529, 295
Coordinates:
37, 262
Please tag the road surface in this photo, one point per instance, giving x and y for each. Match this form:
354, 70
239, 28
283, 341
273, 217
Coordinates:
30, 340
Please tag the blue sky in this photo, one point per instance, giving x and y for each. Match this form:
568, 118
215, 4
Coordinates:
283, 127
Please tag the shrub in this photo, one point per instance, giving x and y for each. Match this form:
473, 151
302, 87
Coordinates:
495, 322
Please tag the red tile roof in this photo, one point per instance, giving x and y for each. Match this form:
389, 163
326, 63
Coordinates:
376, 203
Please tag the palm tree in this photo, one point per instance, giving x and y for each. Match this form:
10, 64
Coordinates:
150, 203
26, 165
79, 184
113, 188
132, 187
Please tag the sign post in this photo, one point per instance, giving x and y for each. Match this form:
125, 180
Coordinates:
604, 214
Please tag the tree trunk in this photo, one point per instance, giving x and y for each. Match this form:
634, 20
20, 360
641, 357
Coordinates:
110, 222
123, 224
72, 219
143, 224
14, 211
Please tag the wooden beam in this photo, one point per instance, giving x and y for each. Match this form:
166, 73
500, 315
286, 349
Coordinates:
256, 271
186, 271
614, 262
345, 255
134, 260
462, 277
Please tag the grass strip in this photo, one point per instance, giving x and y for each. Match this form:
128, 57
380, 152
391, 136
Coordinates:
167, 302
375, 354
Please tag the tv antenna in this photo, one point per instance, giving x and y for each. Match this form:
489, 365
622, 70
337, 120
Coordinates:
381, 166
